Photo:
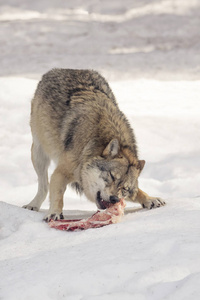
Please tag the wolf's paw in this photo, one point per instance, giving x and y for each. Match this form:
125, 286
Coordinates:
54, 216
153, 202
30, 207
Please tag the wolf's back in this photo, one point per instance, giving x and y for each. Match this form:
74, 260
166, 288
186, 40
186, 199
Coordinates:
61, 84
72, 107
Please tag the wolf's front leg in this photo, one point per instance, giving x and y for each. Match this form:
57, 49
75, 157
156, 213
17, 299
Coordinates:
148, 202
57, 188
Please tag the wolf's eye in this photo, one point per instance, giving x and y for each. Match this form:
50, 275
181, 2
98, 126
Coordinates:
125, 191
126, 188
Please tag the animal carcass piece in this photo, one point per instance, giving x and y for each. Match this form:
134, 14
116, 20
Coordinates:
110, 215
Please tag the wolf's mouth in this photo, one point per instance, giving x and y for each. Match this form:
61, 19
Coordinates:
102, 204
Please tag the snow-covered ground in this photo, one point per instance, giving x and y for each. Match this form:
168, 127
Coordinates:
149, 52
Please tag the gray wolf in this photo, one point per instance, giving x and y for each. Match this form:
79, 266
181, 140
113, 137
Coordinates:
76, 122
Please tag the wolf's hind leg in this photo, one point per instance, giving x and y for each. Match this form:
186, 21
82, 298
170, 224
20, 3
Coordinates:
148, 202
41, 163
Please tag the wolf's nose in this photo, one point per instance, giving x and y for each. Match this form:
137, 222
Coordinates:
114, 199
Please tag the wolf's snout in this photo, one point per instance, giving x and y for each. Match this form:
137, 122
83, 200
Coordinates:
114, 199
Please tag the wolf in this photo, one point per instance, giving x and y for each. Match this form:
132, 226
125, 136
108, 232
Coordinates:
76, 122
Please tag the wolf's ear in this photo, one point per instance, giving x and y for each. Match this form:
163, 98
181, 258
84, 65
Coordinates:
140, 164
111, 149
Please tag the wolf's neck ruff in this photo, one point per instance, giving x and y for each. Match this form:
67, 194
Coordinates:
99, 120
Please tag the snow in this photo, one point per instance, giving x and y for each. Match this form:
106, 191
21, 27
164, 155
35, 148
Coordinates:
149, 52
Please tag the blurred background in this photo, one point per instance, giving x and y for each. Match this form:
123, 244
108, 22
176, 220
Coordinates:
123, 38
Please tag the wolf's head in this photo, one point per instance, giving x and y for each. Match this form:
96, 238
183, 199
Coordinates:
107, 178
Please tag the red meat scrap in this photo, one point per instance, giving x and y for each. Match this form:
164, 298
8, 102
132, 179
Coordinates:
111, 215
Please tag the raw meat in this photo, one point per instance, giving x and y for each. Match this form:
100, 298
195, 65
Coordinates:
108, 216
